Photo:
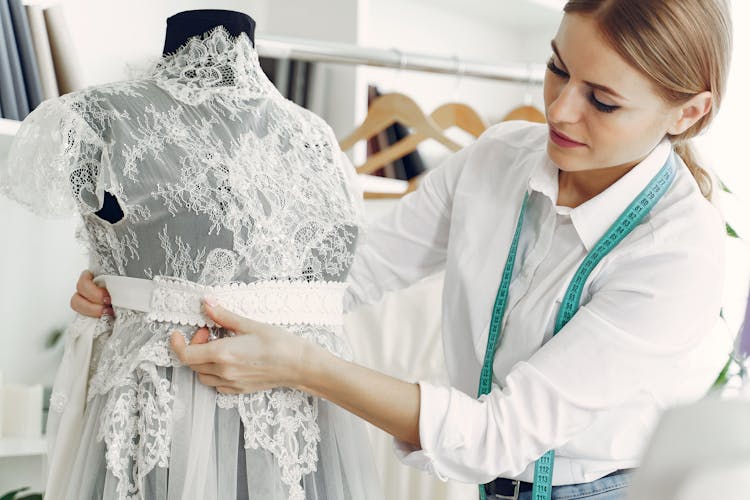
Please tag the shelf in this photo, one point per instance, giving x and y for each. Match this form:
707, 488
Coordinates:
8, 128
22, 447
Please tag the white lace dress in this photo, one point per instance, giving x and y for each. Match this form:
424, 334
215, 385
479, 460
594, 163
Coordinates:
224, 186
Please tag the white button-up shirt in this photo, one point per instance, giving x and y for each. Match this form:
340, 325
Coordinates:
647, 334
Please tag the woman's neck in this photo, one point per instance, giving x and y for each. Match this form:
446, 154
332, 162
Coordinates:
184, 25
576, 188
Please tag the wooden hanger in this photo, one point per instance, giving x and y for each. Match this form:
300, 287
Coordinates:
452, 114
384, 112
463, 116
444, 117
526, 112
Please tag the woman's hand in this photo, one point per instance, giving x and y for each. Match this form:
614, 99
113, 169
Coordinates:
90, 299
263, 356
260, 356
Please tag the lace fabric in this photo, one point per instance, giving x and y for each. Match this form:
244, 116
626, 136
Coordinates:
281, 303
212, 66
221, 182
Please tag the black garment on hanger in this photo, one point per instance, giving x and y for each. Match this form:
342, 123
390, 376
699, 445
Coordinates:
181, 27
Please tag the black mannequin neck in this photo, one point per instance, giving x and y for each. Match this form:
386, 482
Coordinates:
189, 23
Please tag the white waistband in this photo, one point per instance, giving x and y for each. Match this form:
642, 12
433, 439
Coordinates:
176, 300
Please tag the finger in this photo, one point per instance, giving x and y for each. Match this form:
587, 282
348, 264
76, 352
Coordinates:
91, 291
208, 368
83, 306
200, 337
228, 390
228, 319
193, 354
178, 346
212, 380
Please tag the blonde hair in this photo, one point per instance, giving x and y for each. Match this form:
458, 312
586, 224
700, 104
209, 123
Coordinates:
682, 46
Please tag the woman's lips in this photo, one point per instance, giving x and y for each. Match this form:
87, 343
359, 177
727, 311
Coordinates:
562, 140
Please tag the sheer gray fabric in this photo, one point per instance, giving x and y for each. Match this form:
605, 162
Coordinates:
220, 181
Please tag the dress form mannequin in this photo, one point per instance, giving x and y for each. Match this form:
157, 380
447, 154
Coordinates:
223, 182
181, 27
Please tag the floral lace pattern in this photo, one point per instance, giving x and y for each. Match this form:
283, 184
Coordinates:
215, 65
272, 417
278, 302
140, 402
219, 180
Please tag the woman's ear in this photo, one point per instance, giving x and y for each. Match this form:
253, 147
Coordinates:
690, 112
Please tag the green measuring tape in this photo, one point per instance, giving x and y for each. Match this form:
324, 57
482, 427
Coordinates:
625, 223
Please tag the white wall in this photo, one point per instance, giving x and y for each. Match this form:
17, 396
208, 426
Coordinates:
110, 35
723, 149
328, 20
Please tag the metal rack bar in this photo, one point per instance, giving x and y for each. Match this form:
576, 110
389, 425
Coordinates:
339, 53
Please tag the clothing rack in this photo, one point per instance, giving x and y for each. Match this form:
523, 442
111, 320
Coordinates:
338, 53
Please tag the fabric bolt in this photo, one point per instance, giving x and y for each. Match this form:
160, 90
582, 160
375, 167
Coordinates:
648, 334
224, 186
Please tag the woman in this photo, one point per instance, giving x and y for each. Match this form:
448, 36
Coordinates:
601, 214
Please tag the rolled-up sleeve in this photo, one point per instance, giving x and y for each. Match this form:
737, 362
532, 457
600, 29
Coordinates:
650, 330
475, 441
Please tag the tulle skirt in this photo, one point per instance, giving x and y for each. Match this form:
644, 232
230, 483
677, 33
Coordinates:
150, 430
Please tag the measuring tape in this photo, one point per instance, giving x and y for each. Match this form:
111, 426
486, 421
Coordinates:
625, 223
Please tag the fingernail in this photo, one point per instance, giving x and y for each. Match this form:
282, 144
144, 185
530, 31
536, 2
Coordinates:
109, 311
107, 300
210, 300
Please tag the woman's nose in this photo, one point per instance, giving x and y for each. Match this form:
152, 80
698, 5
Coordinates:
568, 106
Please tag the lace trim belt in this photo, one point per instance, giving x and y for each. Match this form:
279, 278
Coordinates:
179, 301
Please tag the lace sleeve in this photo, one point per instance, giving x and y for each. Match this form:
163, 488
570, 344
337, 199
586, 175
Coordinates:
352, 184
353, 187
54, 162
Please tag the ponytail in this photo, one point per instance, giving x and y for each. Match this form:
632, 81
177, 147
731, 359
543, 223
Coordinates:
684, 150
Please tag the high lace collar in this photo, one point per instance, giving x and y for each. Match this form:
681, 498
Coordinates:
214, 64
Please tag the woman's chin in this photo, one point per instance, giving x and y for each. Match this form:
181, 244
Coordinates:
564, 159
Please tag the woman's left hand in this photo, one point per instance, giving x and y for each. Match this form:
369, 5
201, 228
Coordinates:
260, 356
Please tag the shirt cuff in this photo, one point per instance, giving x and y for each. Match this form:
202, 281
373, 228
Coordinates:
414, 457
434, 402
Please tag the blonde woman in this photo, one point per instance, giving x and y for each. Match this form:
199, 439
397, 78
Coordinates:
583, 271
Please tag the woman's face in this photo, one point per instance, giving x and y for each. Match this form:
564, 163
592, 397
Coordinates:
606, 111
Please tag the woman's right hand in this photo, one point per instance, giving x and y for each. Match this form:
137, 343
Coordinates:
90, 299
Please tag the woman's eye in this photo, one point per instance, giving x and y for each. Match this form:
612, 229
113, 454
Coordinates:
605, 108
600, 106
556, 69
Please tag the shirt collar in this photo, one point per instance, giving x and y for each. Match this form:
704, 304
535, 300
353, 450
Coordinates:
592, 219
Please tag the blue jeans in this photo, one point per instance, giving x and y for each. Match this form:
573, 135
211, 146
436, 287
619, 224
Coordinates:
605, 488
